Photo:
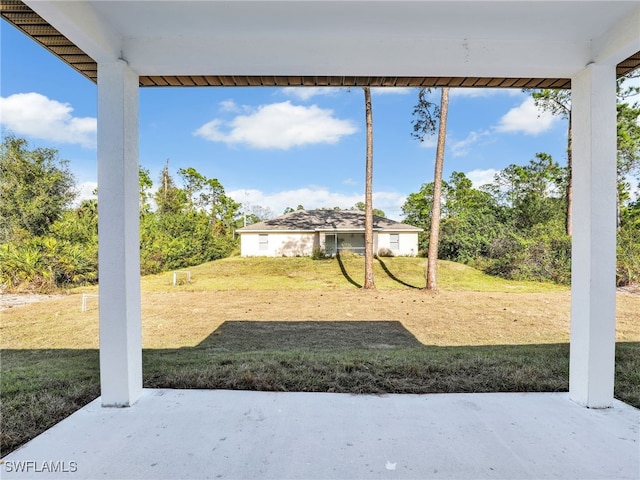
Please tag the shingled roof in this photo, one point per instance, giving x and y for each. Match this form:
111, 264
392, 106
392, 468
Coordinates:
323, 220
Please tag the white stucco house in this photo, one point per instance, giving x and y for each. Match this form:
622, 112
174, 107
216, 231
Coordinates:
299, 233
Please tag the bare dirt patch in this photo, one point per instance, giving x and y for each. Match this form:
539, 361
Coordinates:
11, 300
632, 290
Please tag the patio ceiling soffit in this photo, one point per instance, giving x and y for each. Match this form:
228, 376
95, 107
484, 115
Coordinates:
33, 25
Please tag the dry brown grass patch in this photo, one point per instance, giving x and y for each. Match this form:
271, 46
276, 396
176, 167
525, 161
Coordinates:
184, 319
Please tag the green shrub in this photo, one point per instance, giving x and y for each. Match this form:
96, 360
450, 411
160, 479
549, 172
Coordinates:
319, 254
541, 256
174, 241
465, 238
44, 263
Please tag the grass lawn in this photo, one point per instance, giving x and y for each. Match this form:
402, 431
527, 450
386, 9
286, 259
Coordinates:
294, 324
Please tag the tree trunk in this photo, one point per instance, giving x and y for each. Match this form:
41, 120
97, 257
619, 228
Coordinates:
368, 205
432, 260
570, 180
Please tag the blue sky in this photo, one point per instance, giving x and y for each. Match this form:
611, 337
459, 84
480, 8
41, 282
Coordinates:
275, 147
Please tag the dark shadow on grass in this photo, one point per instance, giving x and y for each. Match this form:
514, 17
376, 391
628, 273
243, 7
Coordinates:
345, 273
369, 369
393, 277
249, 336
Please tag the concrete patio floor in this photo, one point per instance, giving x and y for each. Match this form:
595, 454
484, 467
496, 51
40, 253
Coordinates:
170, 434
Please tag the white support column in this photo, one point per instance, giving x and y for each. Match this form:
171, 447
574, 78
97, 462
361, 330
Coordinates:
119, 237
593, 294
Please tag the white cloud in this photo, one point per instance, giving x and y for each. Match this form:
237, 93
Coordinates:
317, 197
430, 141
393, 90
390, 203
229, 106
526, 118
85, 192
634, 190
349, 181
37, 116
631, 82
461, 148
472, 92
279, 126
305, 93
481, 177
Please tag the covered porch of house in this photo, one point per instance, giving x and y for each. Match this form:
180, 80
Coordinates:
335, 243
582, 45
170, 434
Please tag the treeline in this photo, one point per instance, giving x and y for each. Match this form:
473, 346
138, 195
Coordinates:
190, 225
45, 243
515, 226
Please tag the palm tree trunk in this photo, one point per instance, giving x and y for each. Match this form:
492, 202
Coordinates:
368, 205
432, 261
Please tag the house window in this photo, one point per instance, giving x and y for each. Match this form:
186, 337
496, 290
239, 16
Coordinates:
394, 241
263, 241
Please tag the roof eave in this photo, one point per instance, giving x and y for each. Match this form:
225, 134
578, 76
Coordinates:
25, 19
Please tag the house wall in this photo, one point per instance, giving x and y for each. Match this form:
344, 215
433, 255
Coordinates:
407, 243
277, 244
284, 244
